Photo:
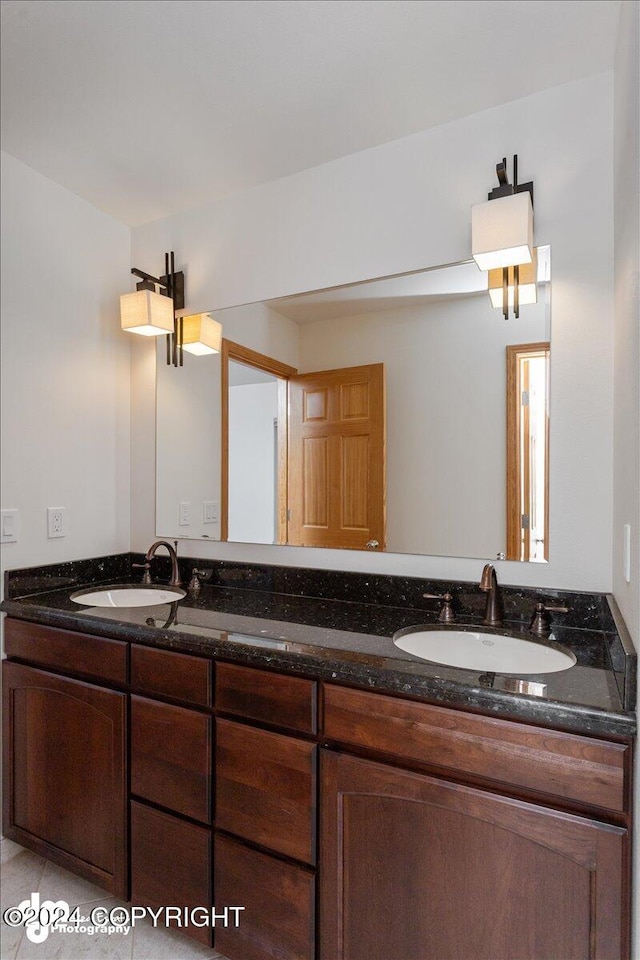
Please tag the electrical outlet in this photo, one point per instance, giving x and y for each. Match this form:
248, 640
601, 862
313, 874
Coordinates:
56, 522
184, 513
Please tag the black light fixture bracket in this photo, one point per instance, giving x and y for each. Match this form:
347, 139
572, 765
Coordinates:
506, 189
171, 285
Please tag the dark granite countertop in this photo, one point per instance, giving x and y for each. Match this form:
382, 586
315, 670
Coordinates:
350, 642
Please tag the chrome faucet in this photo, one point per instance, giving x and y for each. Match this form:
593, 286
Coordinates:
489, 584
175, 571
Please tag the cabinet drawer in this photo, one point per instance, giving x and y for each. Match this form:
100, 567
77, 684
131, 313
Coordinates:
170, 864
272, 698
65, 650
279, 902
169, 674
266, 789
171, 757
564, 765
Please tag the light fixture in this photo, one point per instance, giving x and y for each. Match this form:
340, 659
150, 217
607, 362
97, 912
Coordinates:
201, 334
502, 234
147, 313
527, 284
151, 311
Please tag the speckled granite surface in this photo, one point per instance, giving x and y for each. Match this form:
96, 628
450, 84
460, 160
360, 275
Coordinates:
339, 627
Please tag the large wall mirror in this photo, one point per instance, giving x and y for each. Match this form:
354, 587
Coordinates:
402, 414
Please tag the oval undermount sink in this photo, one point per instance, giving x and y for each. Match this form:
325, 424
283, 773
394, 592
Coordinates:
489, 652
123, 595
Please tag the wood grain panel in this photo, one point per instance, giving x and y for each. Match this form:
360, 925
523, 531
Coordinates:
422, 869
337, 475
64, 773
171, 757
315, 405
561, 764
271, 698
279, 900
315, 490
354, 400
355, 488
170, 674
76, 653
265, 789
170, 865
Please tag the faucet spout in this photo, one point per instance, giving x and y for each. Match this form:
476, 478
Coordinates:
175, 570
493, 614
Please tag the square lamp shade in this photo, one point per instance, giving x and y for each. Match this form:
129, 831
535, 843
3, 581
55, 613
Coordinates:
527, 286
147, 313
201, 334
502, 231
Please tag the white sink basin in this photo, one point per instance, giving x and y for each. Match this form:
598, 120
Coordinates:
490, 652
126, 596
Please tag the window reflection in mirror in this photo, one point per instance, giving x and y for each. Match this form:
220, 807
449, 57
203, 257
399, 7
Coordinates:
443, 348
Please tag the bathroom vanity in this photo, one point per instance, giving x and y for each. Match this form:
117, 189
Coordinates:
256, 747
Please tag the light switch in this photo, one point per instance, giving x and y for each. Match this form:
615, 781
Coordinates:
9, 526
209, 511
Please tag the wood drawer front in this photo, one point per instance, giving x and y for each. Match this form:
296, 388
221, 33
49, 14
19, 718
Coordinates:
266, 789
279, 901
170, 674
80, 653
170, 864
171, 757
265, 697
560, 764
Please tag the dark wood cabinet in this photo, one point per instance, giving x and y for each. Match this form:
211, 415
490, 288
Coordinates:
171, 761
64, 769
171, 866
443, 834
266, 789
424, 869
278, 920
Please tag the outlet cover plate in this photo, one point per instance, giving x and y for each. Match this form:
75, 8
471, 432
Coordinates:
56, 522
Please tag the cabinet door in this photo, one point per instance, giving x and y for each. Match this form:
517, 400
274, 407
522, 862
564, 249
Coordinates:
422, 869
171, 866
266, 789
171, 757
278, 919
64, 768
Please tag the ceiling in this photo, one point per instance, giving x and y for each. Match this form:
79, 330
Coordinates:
150, 107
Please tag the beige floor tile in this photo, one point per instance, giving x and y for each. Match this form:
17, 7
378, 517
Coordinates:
58, 884
21, 876
80, 946
8, 850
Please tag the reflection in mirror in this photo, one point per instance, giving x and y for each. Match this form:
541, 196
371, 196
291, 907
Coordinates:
456, 481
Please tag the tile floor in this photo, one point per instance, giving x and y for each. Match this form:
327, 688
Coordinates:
24, 873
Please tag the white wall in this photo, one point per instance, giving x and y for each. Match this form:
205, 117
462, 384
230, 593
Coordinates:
626, 450
445, 384
406, 205
626, 180
65, 370
187, 443
252, 462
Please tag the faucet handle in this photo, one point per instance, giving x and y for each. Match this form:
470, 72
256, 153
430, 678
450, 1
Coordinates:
541, 622
146, 578
447, 613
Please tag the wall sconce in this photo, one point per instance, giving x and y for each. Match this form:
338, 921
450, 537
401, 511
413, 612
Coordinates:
527, 287
152, 313
502, 232
201, 334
